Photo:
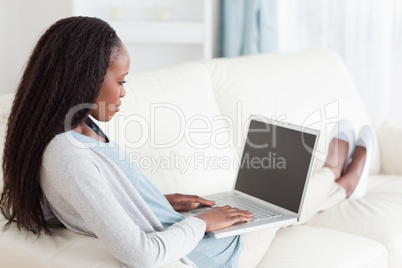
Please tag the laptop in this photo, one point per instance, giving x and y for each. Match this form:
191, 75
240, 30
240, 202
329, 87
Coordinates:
272, 178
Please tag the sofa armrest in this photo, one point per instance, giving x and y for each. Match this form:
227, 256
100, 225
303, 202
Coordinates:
389, 136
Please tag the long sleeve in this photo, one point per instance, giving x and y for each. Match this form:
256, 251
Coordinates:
93, 198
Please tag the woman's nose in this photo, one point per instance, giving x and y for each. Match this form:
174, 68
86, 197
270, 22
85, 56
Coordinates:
123, 92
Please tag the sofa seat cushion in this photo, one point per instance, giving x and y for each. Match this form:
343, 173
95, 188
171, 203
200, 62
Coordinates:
307, 246
378, 216
64, 249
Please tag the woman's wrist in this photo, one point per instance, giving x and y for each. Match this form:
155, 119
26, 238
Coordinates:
203, 219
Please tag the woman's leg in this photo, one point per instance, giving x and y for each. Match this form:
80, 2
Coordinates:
254, 246
329, 186
336, 157
353, 172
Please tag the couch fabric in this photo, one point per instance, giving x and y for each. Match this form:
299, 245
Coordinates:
190, 118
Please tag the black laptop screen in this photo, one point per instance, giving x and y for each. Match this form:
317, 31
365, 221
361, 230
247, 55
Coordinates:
275, 163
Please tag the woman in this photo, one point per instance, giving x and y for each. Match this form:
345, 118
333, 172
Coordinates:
51, 178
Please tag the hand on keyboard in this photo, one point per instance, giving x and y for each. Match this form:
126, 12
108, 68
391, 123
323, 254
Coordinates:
221, 217
259, 212
184, 201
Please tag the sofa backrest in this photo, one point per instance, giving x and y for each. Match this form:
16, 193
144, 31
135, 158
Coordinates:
311, 88
170, 126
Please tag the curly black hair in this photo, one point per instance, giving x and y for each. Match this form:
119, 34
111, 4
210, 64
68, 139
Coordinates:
67, 68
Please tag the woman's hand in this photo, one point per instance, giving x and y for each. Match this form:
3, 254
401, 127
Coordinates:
182, 201
221, 217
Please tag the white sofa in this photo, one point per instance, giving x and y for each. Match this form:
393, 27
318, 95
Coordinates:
195, 112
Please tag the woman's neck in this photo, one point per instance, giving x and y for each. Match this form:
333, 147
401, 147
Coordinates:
84, 129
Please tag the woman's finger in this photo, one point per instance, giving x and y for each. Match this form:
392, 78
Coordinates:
205, 202
185, 205
238, 210
197, 199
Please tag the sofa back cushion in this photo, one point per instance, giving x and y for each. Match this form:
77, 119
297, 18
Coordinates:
312, 88
170, 126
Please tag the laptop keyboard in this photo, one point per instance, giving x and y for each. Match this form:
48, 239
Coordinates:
259, 212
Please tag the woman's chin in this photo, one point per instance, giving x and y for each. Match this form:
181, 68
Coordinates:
107, 118
104, 118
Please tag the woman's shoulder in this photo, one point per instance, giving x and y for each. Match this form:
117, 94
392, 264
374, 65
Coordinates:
65, 146
66, 155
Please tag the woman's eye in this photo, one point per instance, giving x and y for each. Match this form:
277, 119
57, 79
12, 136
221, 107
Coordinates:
122, 82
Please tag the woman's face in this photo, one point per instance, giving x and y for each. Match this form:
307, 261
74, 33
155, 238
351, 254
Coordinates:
112, 90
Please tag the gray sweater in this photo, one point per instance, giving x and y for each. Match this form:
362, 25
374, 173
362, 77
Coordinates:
90, 195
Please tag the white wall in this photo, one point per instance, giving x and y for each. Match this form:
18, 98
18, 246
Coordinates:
22, 22
148, 53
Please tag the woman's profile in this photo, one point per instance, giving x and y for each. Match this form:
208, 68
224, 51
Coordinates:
80, 64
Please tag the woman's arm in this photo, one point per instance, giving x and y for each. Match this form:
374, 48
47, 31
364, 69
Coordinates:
83, 200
